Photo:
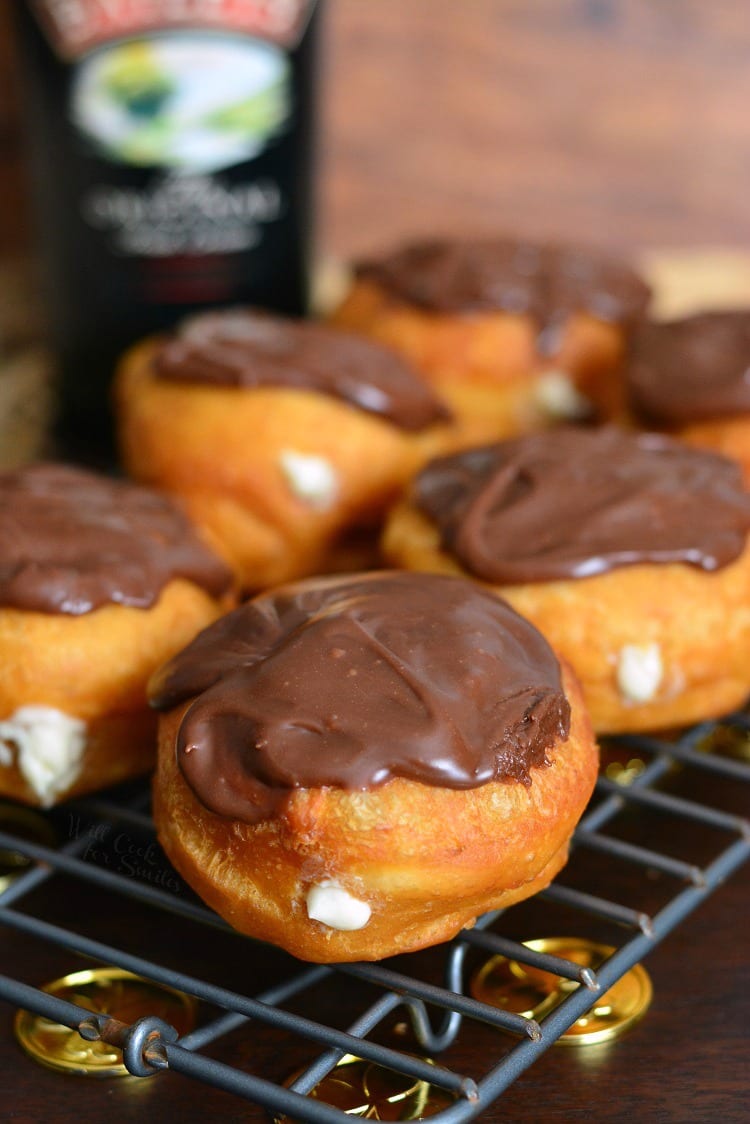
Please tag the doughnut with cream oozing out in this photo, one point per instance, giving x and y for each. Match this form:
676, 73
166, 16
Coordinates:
100, 582
279, 436
358, 766
514, 335
628, 551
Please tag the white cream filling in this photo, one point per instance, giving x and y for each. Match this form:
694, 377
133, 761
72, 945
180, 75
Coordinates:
312, 479
639, 672
557, 395
49, 746
335, 907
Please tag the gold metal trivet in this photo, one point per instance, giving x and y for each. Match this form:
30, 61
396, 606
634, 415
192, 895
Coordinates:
534, 993
26, 824
111, 991
372, 1092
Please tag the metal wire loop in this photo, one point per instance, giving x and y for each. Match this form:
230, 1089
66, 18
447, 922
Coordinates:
147, 1033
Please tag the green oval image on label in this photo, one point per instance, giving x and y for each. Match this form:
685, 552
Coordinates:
186, 101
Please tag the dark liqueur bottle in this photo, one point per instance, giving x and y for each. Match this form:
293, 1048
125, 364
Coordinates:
171, 150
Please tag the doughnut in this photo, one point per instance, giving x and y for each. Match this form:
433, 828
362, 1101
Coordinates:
629, 551
278, 436
515, 336
691, 377
354, 767
101, 581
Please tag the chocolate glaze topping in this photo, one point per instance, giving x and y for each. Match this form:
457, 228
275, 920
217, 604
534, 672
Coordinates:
73, 541
690, 370
547, 282
244, 348
577, 502
352, 681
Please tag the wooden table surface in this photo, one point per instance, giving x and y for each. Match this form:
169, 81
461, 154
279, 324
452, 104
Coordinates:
607, 121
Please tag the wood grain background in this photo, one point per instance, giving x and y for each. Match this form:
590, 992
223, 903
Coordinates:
619, 122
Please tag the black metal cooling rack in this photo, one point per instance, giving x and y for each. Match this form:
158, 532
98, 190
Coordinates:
639, 801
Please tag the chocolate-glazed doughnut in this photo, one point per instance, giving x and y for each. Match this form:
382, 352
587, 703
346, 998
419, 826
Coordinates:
691, 377
516, 335
234, 348
546, 281
100, 581
73, 542
278, 436
573, 504
354, 767
628, 551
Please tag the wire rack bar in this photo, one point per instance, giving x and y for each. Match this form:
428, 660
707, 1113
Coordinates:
281, 993
275, 1098
109, 880
49, 1006
119, 813
644, 856
677, 805
614, 802
513, 950
148, 1047
405, 985
734, 770
323, 1065
525, 1052
221, 997
210, 1032
37, 875
597, 907
686, 753
438, 1040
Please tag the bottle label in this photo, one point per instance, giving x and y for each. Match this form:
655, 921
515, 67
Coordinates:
184, 123
184, 100
182, 215
77, 26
